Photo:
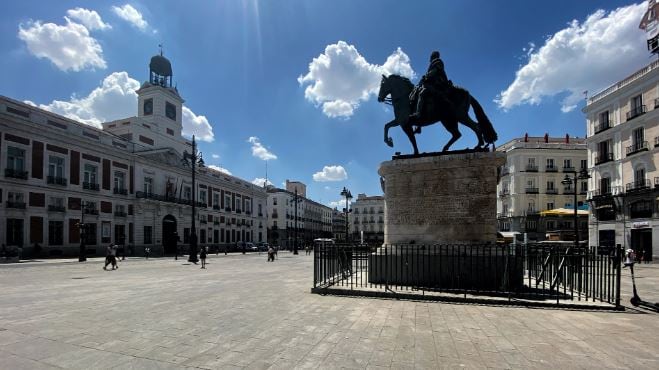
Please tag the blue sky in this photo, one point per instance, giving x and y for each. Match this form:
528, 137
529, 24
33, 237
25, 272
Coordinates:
241, 67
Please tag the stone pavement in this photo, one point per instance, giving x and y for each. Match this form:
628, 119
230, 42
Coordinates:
243, 312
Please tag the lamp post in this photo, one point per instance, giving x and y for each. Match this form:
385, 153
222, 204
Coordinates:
295, 225
82, 256
567, 181
346, 193
193, 159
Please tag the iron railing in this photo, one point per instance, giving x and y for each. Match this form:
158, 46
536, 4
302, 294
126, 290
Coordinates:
15, 174
603, 158
637, 147
56, 180
90, 186
542, 274
635, 112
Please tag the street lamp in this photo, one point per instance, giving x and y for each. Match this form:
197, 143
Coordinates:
82, 256
346, 193
295, 201
567, 181
193, 159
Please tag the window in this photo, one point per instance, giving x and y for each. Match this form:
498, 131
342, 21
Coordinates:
531, 207
202, 236
274, 201
119, 180
15, 197
15, 159
90, 234
187, 193
584, 164
227, 201
531, 225
550, 205
105, 232
55, 232
57, 202
604, 119
148, 185
567, 163
274, 223
531, 162
551, 225
638, 137
605, 185
89, 175
148, 235
148, 107
584, 186
14, 232
216, 200
637, 102
550, 185
170, 111
202, 196
238, 204
248, 205
120, 209
55, 166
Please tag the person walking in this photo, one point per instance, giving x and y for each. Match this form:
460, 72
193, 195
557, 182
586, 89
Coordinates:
271, 254
147, 252
202, 257
108, 256
113, 256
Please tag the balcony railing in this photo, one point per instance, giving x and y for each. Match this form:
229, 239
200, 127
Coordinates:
531, 168
227, 209
505, 171
504, 193
90, 186
17, 205
551, 191
505, 215
120, 214
248, 212
121, 191
603, 158
56, 180
216, 207
532, 190
203, 222
52, 208
90, 211
635, 112
603, 126
638, 147
569, 169
637, 185
568, 191
15, 174
551, 169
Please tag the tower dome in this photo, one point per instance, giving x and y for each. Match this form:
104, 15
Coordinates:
160, 71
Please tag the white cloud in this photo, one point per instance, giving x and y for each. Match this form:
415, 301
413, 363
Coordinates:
341, 78
260, 181
116, 99
69, 47
197, 125
220, 169
131, 15
215, 156
89, 18
340, 204
583, 56
331, 173
259, 151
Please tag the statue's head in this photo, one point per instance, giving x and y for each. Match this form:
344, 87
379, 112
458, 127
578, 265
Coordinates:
434, 55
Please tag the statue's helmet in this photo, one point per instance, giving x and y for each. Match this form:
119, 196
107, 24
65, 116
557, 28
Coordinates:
434, 55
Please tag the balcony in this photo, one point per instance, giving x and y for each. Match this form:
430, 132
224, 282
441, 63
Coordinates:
505, 171
505, 215
15, 174
56, 180
120, 191
504, 193
275, 215
603, 126
52, 208
635, 112
90, 186
603, 158
551, 169
637, 185
531, 168
248, 213
551, 191
568, 191
203, 222
216, 223
569, 169
532, 191
90, 211
239, 211
16, 205
120, 214
216, 207
638, 147
227, 209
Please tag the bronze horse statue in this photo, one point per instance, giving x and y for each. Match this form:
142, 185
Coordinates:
400, 88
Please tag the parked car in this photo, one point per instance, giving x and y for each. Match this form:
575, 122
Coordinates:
250, 247
263, 246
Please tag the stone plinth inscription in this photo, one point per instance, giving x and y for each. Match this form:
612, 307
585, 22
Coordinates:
442, 199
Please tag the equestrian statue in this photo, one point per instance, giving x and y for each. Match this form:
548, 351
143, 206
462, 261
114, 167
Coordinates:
434, 99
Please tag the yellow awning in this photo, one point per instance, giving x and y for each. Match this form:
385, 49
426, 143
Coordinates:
563, 212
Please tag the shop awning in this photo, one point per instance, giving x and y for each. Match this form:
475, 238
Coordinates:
563, 212
508, 234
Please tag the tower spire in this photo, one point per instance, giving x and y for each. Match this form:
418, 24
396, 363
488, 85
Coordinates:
160, 46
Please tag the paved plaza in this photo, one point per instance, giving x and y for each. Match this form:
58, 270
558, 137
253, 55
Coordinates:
243, 312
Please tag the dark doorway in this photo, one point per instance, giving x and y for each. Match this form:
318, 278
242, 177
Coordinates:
607, 238
169, 234
642, 244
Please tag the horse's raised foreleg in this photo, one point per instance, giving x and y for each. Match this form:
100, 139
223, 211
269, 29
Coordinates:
387, 138
409, 131
452, 127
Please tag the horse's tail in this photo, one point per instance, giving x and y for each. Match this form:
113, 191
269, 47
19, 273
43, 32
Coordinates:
489, 135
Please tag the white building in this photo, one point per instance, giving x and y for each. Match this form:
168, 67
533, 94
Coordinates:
623, 137
367, 218
126, 183
314, 220
531, 182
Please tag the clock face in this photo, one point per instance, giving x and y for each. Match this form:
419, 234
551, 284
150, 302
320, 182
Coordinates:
148, 107
170, 111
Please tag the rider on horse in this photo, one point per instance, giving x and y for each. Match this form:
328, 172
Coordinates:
434, 85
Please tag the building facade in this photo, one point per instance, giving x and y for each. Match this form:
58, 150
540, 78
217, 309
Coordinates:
339, 226
532, 182
368, 219
623, 142
126, 183
314, 220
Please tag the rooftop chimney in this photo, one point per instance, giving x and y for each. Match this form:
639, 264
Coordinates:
546, 137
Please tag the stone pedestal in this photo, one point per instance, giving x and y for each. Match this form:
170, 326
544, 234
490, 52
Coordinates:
443, 199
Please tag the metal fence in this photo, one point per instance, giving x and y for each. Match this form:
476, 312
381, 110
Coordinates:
532, 274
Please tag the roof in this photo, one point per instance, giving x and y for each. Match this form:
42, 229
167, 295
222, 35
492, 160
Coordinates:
160, 65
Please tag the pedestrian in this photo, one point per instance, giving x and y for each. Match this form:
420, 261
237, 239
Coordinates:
271, 254
147, 252
113, 256
108, 256
306, 249
202, 257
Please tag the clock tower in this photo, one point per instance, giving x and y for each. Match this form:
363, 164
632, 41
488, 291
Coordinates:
158, 101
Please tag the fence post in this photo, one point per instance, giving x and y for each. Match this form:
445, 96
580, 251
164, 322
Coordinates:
315, 264
617, 261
